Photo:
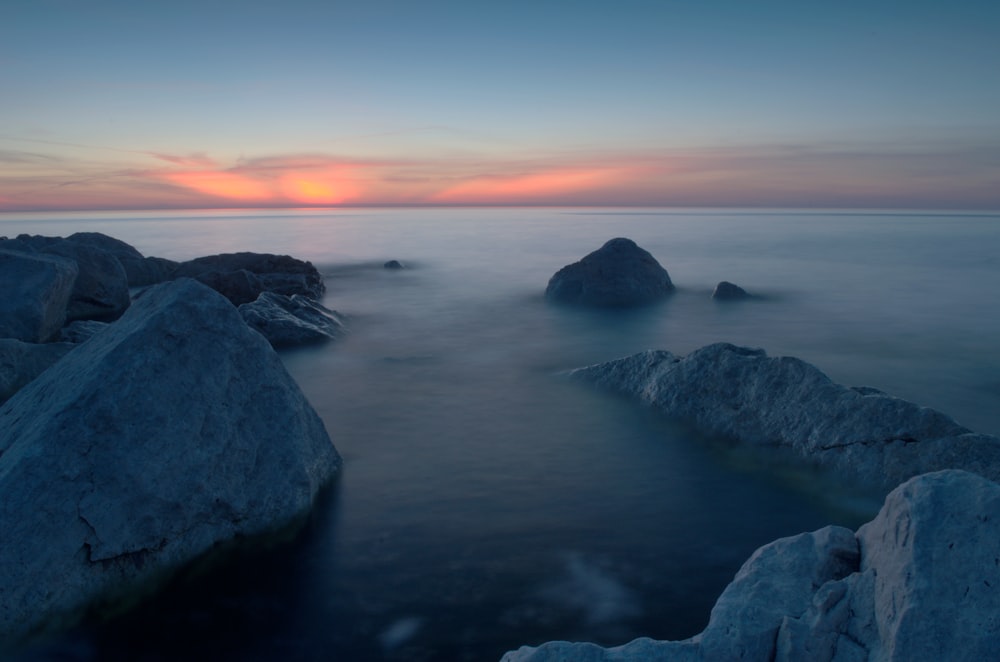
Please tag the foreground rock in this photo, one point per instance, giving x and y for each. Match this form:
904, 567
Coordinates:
742, 394
171, 431
920, 582
289, 321
100, 290
276, 273
35, 292
139, 270
617, 274
21, 362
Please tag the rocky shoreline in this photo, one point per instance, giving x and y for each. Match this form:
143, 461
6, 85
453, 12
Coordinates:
123, 458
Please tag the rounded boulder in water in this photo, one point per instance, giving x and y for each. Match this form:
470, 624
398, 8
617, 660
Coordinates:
619, 273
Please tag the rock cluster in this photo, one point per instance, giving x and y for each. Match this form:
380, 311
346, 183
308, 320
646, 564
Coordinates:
172, 430
920, 582
100, 288
69, 288
267, 273
289, 321
739, 393
617, 274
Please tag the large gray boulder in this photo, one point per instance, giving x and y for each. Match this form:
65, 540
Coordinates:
21, 362
36, 288
277, 273
619, 273
139, 270
101, 288
290, 321
740, 393
240, 286
173, 430
919, 583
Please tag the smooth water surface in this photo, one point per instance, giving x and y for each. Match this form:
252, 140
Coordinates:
487, 502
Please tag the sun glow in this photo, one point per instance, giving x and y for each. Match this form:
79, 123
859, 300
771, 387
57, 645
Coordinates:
331, 186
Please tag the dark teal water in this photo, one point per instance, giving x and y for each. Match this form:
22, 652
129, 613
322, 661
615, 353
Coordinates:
485, 501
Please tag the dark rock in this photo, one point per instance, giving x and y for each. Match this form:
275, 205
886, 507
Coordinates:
81, 330
175, 429
21, 362
917, 583
36, 290
239, 287
617, 274
726, 291
289, 321
101, 287
741, 393
393, 264
139, 270
277, 273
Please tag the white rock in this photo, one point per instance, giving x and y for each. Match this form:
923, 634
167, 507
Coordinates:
919, 583
741, 393
289, 321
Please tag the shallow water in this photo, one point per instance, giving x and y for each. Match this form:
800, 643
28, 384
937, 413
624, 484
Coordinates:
486, 501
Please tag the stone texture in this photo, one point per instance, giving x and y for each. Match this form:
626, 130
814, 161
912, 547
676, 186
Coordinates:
21, 362
919, 583
289, 321
100, 290
173, 430
617, 274
277, 273
740, 393
36, 290
726, 291
81, 330
139, 270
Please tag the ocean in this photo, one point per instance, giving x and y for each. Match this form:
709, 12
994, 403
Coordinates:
488, 502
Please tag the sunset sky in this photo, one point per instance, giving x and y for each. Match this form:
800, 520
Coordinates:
214, 103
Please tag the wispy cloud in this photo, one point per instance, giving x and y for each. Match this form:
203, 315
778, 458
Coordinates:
838, 175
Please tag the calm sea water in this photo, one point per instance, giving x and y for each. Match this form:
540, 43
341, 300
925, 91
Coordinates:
485, 501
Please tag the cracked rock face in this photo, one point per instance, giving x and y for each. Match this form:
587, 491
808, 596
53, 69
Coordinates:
920, 583
743, 394
174, 429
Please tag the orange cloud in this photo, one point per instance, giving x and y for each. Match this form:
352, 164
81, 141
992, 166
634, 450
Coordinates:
223, 185
499, 189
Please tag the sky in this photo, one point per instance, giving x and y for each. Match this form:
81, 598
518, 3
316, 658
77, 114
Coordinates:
109, 104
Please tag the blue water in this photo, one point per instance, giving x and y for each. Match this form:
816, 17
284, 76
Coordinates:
485, 501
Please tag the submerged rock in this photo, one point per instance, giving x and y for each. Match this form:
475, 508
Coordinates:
100, 290
726, 291
393, 264
742, 394
277, 273
21, 362
617, 274
36, 290
917, 583
288, 321
171, 431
